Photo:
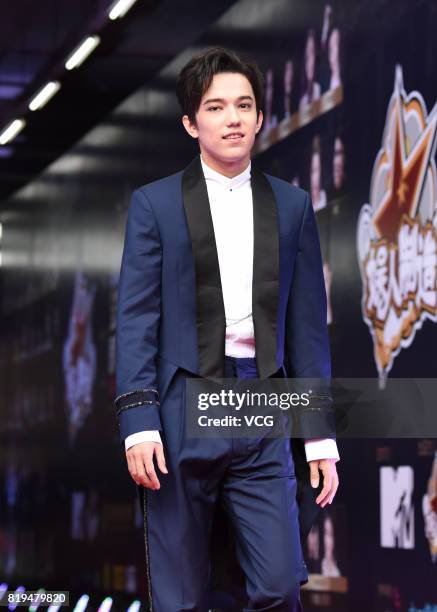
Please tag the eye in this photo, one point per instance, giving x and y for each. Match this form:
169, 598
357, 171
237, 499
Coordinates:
213, 107
246, 104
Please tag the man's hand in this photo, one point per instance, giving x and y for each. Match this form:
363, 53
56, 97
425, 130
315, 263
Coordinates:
140, 463
330, 479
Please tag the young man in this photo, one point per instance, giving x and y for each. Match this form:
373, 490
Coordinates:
221, 276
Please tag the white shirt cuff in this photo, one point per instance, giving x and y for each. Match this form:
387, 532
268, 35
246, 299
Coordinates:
323, 448
142, 436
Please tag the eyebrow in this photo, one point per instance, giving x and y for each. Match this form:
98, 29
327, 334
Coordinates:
223, 100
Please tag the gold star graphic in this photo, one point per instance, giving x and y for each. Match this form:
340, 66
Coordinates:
407, 176
402, 193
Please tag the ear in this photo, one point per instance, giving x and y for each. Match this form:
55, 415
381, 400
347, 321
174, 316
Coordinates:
259, 122
190, 127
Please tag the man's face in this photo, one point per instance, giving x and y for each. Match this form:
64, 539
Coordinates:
227, 107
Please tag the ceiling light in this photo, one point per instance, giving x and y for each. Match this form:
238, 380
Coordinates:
44, 95
120, 8
82, 52
11, 131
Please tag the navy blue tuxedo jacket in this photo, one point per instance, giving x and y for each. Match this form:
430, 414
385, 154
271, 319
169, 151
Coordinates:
170, 311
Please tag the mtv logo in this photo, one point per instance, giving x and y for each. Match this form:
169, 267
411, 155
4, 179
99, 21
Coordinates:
397, 511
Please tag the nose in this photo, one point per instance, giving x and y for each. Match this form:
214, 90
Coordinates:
232, 116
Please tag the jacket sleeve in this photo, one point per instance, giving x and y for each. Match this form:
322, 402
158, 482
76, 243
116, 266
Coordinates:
138, 316
307, 341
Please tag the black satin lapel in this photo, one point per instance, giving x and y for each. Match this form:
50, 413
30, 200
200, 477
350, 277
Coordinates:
210, 317
265, 287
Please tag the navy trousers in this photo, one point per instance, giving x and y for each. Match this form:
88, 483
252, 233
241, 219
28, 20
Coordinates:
255, 482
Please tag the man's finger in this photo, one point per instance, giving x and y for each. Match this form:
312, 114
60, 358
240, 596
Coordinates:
131, 467
327, 483
331, 483
334, 489
150, 471
325, 499
324, 493
314, 469
142, 477
160, 459
330, 496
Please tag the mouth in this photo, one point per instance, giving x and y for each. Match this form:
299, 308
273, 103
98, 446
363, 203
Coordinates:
234, 136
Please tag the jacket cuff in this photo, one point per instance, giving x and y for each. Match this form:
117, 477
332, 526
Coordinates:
137, 411
136, 398
317, 424
139, 418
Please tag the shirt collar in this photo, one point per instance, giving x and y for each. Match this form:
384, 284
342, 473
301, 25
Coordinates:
229, 183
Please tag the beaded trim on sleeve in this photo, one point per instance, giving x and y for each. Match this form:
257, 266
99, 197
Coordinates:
119, 397
135, 398
319, 403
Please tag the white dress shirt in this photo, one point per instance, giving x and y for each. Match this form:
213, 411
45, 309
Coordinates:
231, 199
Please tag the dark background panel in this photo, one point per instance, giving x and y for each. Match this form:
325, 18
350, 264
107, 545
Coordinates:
68, 508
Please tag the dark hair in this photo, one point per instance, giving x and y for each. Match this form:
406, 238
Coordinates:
196, 76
